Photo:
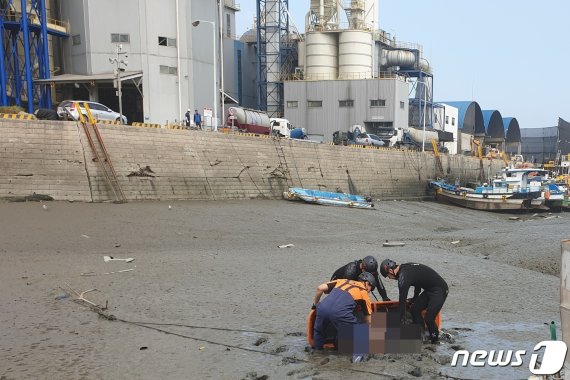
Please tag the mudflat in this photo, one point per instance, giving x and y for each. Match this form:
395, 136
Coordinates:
211, 295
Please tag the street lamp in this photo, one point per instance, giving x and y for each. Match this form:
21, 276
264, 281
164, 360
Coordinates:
425, 106
196, 23
119, 61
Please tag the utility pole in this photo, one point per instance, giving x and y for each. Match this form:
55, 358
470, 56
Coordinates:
121, 61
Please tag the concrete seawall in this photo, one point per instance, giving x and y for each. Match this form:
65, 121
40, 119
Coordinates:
55, 158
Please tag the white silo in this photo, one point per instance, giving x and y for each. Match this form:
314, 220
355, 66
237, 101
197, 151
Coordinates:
355, 54
321, 51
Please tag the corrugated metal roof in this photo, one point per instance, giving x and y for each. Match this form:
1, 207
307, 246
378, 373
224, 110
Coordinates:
78, 78
493, 122
470, 116
512, 130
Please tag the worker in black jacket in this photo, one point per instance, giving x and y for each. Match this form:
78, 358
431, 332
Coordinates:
352, 270
432, 298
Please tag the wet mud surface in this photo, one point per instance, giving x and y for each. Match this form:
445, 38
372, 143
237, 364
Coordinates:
210, 294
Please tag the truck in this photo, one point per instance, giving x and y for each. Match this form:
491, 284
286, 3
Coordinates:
283, 128
248, 120
413, 138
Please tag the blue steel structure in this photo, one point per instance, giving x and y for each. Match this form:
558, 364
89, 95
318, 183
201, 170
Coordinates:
273, 52
421, 102
24, 54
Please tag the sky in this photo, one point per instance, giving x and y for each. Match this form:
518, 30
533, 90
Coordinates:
507, 55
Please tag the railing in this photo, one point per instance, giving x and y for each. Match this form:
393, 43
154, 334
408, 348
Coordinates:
10, 15
343, 76
62, 26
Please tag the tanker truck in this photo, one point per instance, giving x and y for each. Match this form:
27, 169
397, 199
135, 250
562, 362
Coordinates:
248, 120
412, 138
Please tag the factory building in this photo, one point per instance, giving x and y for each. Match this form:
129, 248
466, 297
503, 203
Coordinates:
541, 145
446, 118
165, 64
350, 73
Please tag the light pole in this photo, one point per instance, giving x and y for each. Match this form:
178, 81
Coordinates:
119, 61
425, 106
215, 116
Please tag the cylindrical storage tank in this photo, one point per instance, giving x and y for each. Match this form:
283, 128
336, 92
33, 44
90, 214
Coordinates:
404, 58
322, 56
355, 55
565, 299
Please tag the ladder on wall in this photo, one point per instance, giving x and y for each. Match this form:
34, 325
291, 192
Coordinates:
99, 150
438, 165
282, 161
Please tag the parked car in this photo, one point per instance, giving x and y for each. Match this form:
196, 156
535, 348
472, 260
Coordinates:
98, 110
369, 139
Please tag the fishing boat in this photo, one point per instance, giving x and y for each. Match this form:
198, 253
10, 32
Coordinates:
378, 307
327, 198
511, 189
554, 195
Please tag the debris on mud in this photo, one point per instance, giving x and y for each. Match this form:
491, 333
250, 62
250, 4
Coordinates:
280, 349
416, 372
288, 360
260, 341
253, 376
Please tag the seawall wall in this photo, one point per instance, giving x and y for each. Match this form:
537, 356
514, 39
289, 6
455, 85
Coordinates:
55, 159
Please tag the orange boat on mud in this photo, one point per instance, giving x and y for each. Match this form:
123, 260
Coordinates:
377, 307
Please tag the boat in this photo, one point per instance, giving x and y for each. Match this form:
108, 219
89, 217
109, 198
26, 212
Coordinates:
511, 189
377, 307
554, 195
327, 198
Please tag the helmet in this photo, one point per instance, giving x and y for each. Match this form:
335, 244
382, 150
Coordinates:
370, 264
369, 278
386, 266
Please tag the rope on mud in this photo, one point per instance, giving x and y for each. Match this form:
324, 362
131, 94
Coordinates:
201, 327
110, 317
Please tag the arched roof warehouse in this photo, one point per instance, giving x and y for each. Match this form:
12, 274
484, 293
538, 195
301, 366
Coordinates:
493, 124
512, 130
470, 117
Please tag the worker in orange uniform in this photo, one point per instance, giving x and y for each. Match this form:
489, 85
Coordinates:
338, 308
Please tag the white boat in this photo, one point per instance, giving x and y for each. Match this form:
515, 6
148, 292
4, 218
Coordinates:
511, 189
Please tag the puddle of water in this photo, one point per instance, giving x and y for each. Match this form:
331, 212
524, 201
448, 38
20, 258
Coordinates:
498, 336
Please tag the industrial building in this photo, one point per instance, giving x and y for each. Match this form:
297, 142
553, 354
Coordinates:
542, 145
339, 72
165, 65
350, 73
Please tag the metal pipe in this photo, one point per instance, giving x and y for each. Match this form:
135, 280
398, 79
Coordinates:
220, 11
195, 23
27, 58
3, 95
178, 60
425, 106
45, 94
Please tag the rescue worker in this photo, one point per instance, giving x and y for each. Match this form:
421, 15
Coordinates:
432, 297
352, 270
338, 308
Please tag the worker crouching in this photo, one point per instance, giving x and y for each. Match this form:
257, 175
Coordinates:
338, 309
